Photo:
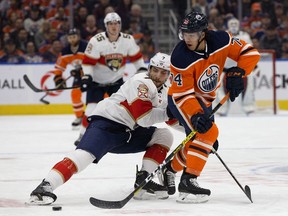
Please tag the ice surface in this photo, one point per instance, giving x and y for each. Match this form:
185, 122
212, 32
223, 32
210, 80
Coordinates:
254, 148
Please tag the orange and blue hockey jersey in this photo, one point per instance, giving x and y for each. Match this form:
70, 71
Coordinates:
196, 77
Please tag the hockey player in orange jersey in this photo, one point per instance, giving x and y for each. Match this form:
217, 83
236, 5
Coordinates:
72, 54
197, 62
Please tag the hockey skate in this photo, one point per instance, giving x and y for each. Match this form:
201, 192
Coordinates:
150, 189
76, 143
190, 191
42, 195
167, 178
76, 123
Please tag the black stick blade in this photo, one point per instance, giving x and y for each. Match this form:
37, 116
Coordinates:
248, 192
104, 204
30, 84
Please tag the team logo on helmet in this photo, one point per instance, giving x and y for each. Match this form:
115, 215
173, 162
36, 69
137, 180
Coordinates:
198, 17
114, 61
209, 79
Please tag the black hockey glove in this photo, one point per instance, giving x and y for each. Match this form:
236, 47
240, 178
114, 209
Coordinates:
59, 82
201, 122
234, 81
77, 73
86, 81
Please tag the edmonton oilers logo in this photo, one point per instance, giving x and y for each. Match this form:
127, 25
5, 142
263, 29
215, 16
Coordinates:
209, 78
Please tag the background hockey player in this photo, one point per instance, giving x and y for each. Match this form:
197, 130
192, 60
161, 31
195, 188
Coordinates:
121, 123
73, 55
104, 63
247, 103
197, 62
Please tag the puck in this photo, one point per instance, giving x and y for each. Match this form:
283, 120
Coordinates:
56, 208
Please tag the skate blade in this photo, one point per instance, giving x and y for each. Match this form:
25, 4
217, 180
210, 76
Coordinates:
144, 195
77, 127
34, 200
192, 198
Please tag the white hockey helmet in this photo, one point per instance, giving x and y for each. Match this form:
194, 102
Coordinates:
161, 60
112, 17
233, 26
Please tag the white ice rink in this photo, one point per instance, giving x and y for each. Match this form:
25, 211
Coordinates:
254, 148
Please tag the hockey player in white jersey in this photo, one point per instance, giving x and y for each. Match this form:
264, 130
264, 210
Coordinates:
246, 101
104, 63
121, 124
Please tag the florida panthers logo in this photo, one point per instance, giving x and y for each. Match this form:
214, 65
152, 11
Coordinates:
209, 78
114, 61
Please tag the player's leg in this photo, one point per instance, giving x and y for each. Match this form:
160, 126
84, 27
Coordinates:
98, 139
156, 142
60, 173
194, 157
248, 95
78, 107
93, 96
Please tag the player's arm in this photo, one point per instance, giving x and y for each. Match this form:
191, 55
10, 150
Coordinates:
60, 67
90, 59
135, 55
140, 104
244, 54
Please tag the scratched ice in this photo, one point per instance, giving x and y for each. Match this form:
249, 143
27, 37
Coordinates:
254, 148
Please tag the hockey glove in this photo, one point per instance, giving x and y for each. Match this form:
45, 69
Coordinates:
201, 122
59, 81
86, 81
77, 73
234, 81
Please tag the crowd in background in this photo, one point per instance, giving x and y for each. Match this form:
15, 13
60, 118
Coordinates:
34, 31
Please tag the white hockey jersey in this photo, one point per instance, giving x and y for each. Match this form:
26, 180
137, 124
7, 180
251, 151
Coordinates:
105, 60
137, 102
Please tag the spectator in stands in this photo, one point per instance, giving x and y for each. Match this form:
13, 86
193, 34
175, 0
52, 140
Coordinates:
256, 43
52, 36
254, 21
201, 6
223, 7
136, 13
90, 29
123, 10
134, 30
283, 28
17, 26
15, 7
80, 17
10, 54
42, 34
271, 40
99, 11
147, 45
31, 56
9, 27
60, 17
284, 53
22, 39
55, 9
34, 20
53, 52
268, 7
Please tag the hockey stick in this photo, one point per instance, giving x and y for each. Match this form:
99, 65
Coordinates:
119, 204
47, 93
246, 189
35, 89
